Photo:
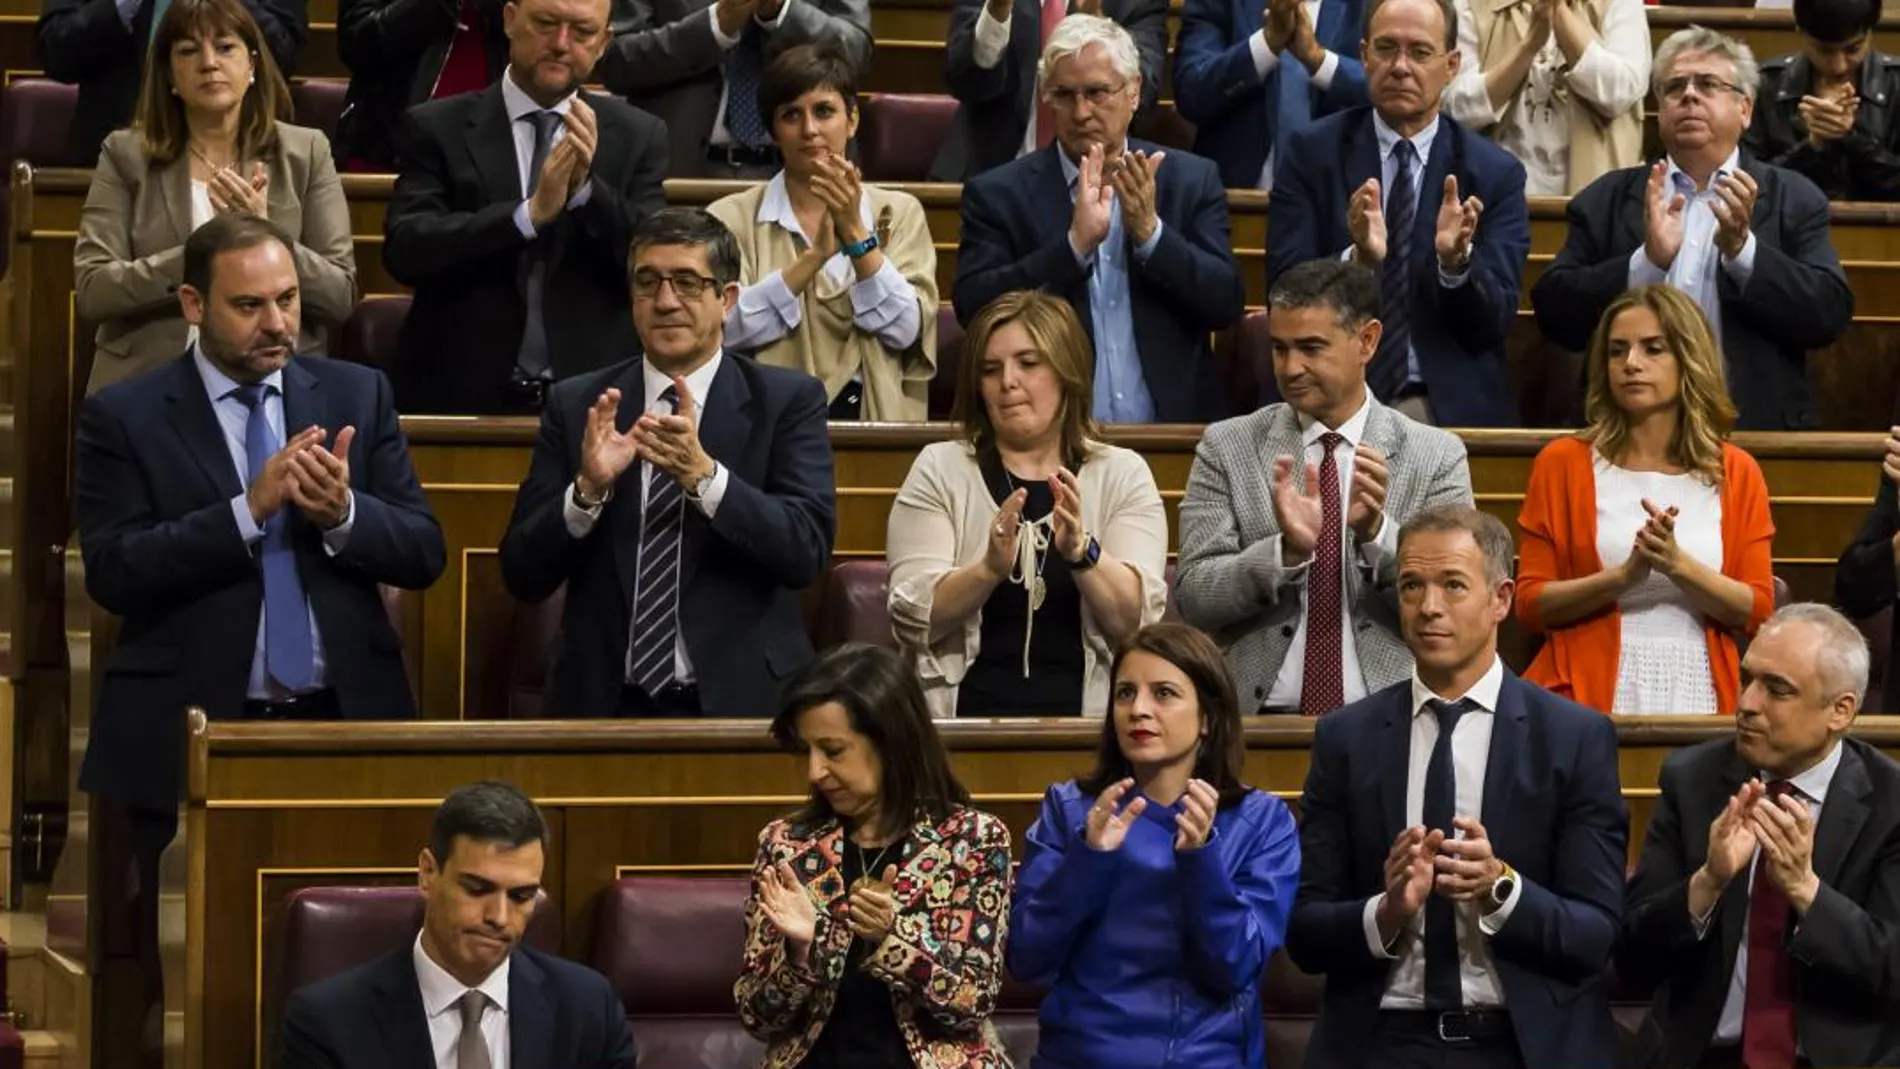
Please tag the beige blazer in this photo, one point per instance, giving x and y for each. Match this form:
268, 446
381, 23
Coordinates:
130, 256
941, 522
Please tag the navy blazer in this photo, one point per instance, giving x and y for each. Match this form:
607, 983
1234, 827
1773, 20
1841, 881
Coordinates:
1458, 332
740, 572
153, 485
1553, 811
561, 1015
1219, 90
1016, 237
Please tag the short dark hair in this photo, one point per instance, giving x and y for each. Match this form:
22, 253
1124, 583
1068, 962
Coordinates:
801, 69
492, 811
227, 233
694, 228
1493, 538
1445, 8
1836, 22
884, 699
1222, 759
1351, 290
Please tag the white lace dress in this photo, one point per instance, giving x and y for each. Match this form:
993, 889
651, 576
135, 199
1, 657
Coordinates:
1665, 657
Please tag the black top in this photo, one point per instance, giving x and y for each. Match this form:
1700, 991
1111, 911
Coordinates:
994, 684
862, 1030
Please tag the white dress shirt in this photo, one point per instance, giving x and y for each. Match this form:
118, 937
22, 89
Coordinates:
580, 521
720, 135
1470, 752
520, 105
1694, 269
1812, 787
1266, 61
1288, 686
441, 1002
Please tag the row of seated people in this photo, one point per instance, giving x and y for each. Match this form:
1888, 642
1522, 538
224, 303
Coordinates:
515, 205
1455, 883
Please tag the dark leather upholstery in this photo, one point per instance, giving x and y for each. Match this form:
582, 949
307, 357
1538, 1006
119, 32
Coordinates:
514, 669
369, 335
318, 102
856, 606
899, 134
671, 948
35, 116
1243, 357
943, 387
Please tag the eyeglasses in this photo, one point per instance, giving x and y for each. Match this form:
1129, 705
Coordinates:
1387, 51
1064, 98
1706, 85
687, 285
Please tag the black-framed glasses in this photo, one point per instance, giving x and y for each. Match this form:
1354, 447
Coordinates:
687, 285
1705, 85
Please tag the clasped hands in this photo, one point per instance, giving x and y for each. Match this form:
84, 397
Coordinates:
1109, 820
1098, 182
870, 910
668, 442
305, 474
1453, 232
1288, 24
839, 186
1782, 828
568, 163
231, 193
1830, 115
1655, 547
1425, 862
1663, 211
1299, 509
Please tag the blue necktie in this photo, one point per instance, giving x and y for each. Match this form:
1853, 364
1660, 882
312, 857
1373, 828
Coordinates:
1389, 368
741, 67
289, 649
1443, 989
656, 591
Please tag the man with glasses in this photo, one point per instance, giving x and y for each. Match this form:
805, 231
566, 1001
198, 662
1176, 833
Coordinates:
1435, 209
1747, 240
684, 498
1829, 111
1135, 238
511, 218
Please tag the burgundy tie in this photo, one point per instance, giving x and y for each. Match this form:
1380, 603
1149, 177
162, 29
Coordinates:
1323, 683
1768, 994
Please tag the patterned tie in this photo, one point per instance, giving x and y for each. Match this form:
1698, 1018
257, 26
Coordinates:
1768, 1040
1053, 12
741, 67
1443, 989
656, 591
533, 355
289, 650
1323, 681
1388, 374
471, 1050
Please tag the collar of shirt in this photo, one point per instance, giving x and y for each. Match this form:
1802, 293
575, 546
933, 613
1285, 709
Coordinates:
520, 104
219, 385
699, 383
441, 992
1389, 139
1813, 783
775, 208
1483, 693
1682, 183
1353, 430
1071, 170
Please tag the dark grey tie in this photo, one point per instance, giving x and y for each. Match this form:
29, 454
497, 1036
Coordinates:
533, 355
471, 1050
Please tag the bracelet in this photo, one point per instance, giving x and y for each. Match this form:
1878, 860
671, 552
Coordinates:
857, 250
582, 500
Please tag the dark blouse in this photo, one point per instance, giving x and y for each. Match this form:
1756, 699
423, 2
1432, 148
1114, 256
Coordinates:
862, 1032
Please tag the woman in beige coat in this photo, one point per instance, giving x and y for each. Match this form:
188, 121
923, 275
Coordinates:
840, 278
1025, 551
207, 138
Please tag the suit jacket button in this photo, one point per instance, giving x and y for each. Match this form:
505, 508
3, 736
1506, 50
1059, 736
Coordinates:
1287, 630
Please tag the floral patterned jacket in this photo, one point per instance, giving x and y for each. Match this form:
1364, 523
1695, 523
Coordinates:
943, 960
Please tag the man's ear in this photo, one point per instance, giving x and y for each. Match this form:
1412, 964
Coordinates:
192, 304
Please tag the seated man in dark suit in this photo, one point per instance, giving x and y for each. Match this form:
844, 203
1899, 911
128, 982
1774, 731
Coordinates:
991, 60
1767, 901
100, 46
1135, 238
467, 994
1437, 210
685, 498
1829, 111
1249, 78
1867, 575
1464, 840
1746, 239
238, 507
511, 218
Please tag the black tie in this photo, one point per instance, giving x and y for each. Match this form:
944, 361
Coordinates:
1390, 367
532, 358
1443, 990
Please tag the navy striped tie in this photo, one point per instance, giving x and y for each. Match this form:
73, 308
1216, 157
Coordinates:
1388, 374
656, 591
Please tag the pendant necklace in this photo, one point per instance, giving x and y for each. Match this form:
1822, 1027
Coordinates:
869, 867
1027, 573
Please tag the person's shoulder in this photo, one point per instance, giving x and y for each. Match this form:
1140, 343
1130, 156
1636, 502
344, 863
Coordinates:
581, 390
781, 383
975, 825
1773, 68
1485, 156
1181, 161
341, 997
1612, 185
125, 143
1066, 796
143, 390
949, 454
1114, 460
305, 141
1007, 176
571, 977
1359, 716
344, 373
437, 114
1698, 762
1739, 463
613, 109
741, 204
1882, 770
1244, 427
1260, 810
1338, 127
1422, 436
1793, 188
1558, 711
900, 201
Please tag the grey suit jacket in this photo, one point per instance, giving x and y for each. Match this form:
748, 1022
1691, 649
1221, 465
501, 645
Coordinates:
130, 255
1230, 581
665, 60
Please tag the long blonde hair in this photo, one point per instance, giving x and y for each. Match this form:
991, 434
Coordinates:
1704, 412
160, 115
1056, 334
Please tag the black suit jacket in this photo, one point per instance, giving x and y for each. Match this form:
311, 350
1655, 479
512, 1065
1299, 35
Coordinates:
1016, 237
395, 50
740, 572
1553, 811
451, 235
154, 483
1865, 581
994, 105
1797, 298
1846, 950
560, 1016
85, 43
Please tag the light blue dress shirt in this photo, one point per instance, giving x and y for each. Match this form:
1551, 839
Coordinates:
1696, 263
1121, 392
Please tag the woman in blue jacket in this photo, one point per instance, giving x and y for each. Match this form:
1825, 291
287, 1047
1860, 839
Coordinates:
1155, 890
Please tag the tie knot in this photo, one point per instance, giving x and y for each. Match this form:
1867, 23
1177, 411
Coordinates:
670, 397
1780, 788
252, 395
1331, 440
545, 122
1448, 712
474, 1003
1404, 151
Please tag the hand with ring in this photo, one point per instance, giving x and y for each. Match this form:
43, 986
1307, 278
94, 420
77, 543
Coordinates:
1000, 554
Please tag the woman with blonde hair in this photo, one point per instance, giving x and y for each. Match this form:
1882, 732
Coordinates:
209, 137
1023, 552
1645, 539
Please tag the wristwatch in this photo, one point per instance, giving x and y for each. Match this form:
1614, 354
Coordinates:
1501, 889
587, 503
699, 488
1091, 556
857, 250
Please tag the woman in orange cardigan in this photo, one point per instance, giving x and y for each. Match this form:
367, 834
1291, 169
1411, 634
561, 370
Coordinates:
1645, 538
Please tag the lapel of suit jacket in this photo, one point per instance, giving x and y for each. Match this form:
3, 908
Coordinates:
530, 1017
1732, 907
1362, 156
725, 425
174, 186
624, 513
1510, 723
1395, 761
1842, 816
1767, 199
400, 1016
305, 404
491, 146
1276, 434
197, 425
1447, 158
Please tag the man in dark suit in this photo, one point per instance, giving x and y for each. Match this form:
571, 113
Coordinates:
1140, 249
1250, 76
991, 64
238, 508
1746, 240
684, 498
1464, 841
467, 994
1767, 901
511, 219
1437, 210
100, 46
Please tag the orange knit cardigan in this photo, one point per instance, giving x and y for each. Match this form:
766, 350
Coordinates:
1558, 526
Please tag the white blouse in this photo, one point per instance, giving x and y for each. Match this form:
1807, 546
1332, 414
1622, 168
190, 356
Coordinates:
201, 213
1665, 657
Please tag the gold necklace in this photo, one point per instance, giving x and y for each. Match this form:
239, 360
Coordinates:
206, 160
866, 878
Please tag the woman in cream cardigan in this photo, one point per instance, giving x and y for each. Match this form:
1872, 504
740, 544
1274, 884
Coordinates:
840, 278
207, 138
1025, 551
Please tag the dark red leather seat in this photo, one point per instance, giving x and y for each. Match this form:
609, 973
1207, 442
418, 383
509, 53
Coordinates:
856, 605
318, 102
369, 336
899, 134
943, 387
513, 670
35, 116
1243, 361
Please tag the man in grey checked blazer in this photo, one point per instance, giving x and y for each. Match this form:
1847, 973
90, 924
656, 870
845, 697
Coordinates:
1253, 517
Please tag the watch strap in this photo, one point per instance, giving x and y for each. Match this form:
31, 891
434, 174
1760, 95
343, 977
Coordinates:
859, 249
